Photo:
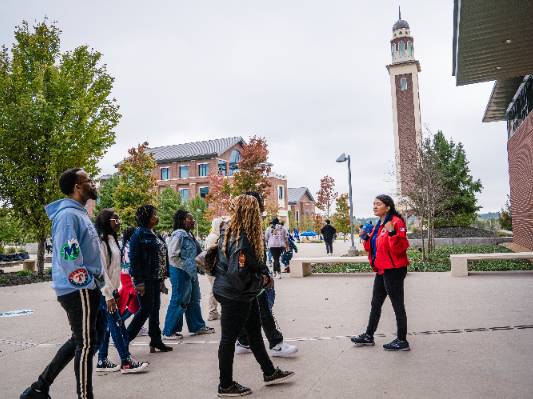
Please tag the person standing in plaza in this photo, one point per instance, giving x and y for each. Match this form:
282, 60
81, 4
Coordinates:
149, 268
185, 297
76, 270
107, 225
240, 275
277, 238
328, 233
387, 252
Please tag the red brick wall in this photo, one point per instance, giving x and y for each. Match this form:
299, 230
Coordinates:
406, 133
520, 152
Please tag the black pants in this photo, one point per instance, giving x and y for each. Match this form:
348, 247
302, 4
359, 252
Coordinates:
236, 315
268, 322
82, 310
329, 245
149, 303
276, 254
391, 284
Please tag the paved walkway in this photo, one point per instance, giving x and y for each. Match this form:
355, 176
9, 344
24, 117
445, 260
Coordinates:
471, 338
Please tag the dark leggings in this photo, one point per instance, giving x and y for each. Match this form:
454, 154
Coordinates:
389, 284
236, 315
150, 303
276, 254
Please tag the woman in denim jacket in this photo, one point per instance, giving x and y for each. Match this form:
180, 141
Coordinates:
185, 298
148, 267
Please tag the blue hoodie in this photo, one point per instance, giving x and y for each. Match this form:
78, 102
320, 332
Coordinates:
76, 260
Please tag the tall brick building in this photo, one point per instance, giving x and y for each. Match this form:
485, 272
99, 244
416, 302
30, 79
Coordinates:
494, 43
406, 118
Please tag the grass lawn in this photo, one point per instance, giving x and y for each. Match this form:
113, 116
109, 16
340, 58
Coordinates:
439, 262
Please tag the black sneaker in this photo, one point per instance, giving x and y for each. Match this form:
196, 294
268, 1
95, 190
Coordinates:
397, 345
278, 376
34, 393
132, 366
235, 389
106, 366
363, 340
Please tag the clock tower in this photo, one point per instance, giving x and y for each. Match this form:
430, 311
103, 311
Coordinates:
406, 119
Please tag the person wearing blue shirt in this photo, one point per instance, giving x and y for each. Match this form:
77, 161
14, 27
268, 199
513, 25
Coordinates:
77, 274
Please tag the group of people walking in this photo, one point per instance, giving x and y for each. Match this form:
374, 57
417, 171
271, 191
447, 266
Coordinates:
101, 283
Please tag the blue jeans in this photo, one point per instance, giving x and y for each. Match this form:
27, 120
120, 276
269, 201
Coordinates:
185, 298
119, 334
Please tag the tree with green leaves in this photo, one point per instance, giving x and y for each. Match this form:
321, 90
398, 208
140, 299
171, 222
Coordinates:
169, 202
341, 218
460, 208
106, 193
197, 207
506, 217
136, 184
56, 113
12, 230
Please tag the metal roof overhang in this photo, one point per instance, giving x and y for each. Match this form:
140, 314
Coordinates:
500, 98
492, 40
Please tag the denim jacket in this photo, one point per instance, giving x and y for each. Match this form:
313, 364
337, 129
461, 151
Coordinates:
183, 249
144, 257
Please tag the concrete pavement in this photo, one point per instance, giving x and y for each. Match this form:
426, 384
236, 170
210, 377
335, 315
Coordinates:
471, 338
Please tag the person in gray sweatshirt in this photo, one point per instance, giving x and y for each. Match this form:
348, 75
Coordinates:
77, 274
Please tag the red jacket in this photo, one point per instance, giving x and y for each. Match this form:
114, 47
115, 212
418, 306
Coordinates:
391, 250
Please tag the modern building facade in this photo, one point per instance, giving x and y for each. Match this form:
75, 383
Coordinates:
494, 43
406, 119
302, 206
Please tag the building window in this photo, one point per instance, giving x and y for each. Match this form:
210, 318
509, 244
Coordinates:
184, 171
184, 194
234, 160
410, 49
222, 167
203, 169
281, 192
393, 48
403, 84
165, 174
203, 191
402, 48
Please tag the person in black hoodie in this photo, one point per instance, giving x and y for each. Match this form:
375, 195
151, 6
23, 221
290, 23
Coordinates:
240, 275
328, 232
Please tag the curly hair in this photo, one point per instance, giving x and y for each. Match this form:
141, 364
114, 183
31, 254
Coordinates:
246, 219
179, 219
144, 214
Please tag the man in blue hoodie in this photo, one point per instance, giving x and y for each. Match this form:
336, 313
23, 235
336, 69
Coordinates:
77, 272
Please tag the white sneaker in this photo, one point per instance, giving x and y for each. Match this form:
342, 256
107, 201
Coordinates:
283, 350
241, 349
172, 337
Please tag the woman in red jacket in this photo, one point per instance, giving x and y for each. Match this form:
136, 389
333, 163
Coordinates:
387, 252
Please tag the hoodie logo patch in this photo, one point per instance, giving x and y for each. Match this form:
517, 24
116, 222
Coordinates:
71, 250
79, 277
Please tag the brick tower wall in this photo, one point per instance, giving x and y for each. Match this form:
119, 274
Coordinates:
406, 133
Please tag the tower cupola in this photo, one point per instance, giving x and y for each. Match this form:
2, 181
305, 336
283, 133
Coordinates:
402, 48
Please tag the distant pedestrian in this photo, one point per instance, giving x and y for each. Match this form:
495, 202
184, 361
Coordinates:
107, 225
76, 269
185, 297
149, 268
387, 252
240, 275
277, 238
328, 233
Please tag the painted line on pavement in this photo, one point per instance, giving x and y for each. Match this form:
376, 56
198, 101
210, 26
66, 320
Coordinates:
300, 339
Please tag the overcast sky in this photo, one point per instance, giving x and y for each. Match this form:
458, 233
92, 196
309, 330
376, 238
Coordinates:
307, 75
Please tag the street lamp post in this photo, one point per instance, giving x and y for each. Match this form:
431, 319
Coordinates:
343, 158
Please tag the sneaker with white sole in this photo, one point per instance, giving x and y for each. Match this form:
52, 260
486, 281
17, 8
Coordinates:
130, 366
173, 337
278, 377
204, 330
283, 349
241, 349
234, 390
106, 366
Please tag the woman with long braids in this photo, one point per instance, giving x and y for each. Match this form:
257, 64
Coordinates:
387, 252
149, 268
240, 275
107, 225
